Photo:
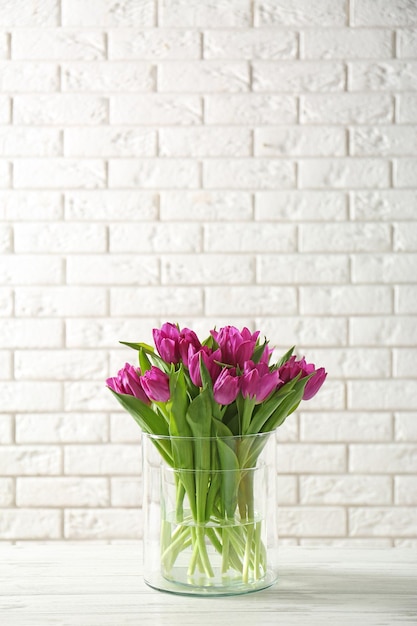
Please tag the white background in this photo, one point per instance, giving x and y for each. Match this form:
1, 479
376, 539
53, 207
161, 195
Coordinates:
207, 163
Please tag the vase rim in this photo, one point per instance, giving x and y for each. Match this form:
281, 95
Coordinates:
210, 438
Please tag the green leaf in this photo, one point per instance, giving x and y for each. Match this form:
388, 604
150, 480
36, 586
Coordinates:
149, 350
285, 358
144, 362
258, 352
266, 409
148, 420
230, 477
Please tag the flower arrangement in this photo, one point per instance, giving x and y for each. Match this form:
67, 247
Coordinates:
204, 403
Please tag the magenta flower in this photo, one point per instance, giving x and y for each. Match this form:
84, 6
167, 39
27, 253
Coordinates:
209, 358
156, 384
128, 382
292, 368
257, 381
226, 387
172, 344
236, 346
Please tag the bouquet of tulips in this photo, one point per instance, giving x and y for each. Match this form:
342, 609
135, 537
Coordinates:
203, 400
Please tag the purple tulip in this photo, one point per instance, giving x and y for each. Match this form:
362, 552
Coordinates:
156, 384
258, 381
209, 358
172, 344
236, 346
292, 368
226, 387
128, 382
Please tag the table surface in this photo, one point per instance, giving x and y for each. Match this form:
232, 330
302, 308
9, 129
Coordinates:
101, 585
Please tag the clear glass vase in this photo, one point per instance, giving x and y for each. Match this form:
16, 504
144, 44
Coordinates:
210, 513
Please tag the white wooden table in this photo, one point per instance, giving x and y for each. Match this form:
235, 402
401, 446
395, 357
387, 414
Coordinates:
101, 585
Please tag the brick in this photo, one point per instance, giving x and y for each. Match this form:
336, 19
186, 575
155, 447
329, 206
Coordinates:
154, 173
405, 490
6, 429
108, 76
5, 239
37, 142
36, 333
379, 13
82, 396
286, 490
30, 524
59, 109
30, 460
194, 142
387, 205
383, 458
203, 76
302, 268
123, 429
254, 238
43, 13
407, 108
102, 524
102, 459
384, 141
288, 431
346, 43
6, 492
4, 46
321, 13
382, 76
405, 172
110, 270
29, 205
406, 299
348, 543
5, 177
388, 268
29, 76
300, 141
405, 237
111, 142
154, 44
207, 206
344, 173
306, 331
23, 396
311, 521
186, 13
207, 269
126, 492
250, 109
105, 333
248, 173
345, 300
298, 76
154, 237
58, 44
345, 237
388, 331
5, 110
385, 395
403, 362
156, 109
57, 365
345, 490
298, 458
27, 270
164, 301
126, 13
347, 108
407, 42
406, 426
343, 426
344, 363
60, 301
61, 427
249, 44
300, 205
235, 300
60, 237
331, 397
6, 302
62, 491
111, 205
382, 522
5, 370
55, 174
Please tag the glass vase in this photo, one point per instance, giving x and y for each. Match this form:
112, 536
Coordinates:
210, 509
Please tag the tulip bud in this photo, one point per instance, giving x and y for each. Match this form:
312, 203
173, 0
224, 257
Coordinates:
128, 382
156, 384
226, 387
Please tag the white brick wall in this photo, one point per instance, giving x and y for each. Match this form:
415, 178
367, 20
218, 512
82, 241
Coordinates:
245, 161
